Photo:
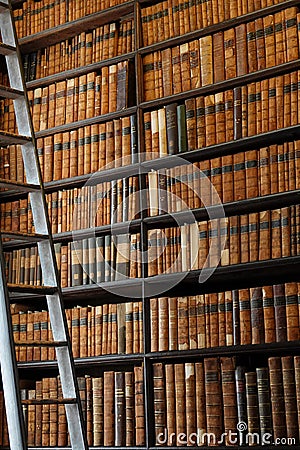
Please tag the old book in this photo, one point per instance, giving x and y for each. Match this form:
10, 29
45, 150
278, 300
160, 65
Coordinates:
183, 338
190, 401
170, 403
129, 409
206, 61
45, 412
269, 314
297, 382
292, 316
236, 316
180, 399
213, 396
290, 401
228, 394
280, 312
252, 406
277, 397
139, 406
98, 418
257, 317
159, 399
38, 413
171, 128
108, 408
264, 401
200, 401
120, 419
245, 317
240, 384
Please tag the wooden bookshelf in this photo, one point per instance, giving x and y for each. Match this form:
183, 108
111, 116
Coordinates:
227, 278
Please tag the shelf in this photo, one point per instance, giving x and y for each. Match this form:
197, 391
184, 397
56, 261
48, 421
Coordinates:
245, 144
57, 34
226, 278
231, 23
93, 361
247, 206
233, 350
224, 85
86, 122
61, 76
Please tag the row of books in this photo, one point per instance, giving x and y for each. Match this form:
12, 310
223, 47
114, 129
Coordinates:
93, 330
240, 317
234, 177
233, 240
213, 119
221, 56
205, 403
81, 97
35, 16
168, 19
86, 48
113, 410
75, 209
77, 152
92, 260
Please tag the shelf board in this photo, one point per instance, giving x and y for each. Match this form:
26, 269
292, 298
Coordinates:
86, 122
232, 350
226, 278
77, 72
245, 144
93, 361
215, 28
237, 208
224, 85
67, 30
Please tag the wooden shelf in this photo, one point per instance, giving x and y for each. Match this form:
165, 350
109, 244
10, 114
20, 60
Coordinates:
215, 28
67, 30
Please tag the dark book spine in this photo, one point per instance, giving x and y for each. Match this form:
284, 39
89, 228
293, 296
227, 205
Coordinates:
264, 401
120, 419
240, 384
133, 139
257, 318
171, 125
280, 312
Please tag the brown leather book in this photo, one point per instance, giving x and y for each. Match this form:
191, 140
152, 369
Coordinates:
176, 70
297, 383
213, 396
31, 420
269, 314
108, 408
38, 413
159, 399
180, 400
219, 57
53, 412
244, 237
206, 61
190, 401
280, 312
228, 395
129, 409
200, 401
139, 406
257, 317
251, 47
264, 400
183, 323
264, 235
170, 403
45, 412
290, 400
120, 418
98, 418
277, 397
292, 315
252, 406
195, 74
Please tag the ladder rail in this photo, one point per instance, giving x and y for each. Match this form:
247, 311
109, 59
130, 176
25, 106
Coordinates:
9, 372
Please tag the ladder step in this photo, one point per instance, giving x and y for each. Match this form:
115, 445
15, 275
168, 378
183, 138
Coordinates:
29, 289
3, 6
18, 186
8, 92
32, 343
50, 401
7, 138
27, 237
6, 49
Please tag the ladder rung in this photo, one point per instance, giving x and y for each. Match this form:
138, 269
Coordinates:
8, 92
32, 343
50, 401
29, 289
3, 6
7, 138
17, 186
27, 237
6, 49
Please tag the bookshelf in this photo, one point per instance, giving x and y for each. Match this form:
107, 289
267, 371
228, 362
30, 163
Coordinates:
243, 143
